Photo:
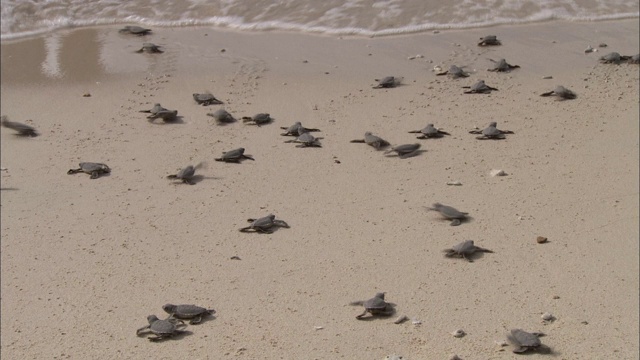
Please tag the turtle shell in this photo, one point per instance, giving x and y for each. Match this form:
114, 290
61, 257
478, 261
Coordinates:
90, 167
376, 303
524, 339
185, 310
161, 327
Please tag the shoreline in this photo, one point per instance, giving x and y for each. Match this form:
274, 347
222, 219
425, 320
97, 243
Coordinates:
85, 261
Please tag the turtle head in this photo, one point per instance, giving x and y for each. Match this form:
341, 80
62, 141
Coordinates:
380, 295
169, 308
152, 318
493, 124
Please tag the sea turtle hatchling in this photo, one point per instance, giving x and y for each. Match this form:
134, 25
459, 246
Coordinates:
491, 132
264, 225
561, 92
635, 59
296, 129
235, 155
464, 250
376, 306
523, 341
306, 140
449, 213
613, 58
206, 99
258, 119
162, 329
193, 313
388, 82
454, 72
222, 116
186, 174
489, 40
150, 48
135, 30
405, 151
155, 109
502, 66
94, 169
372, 140
479, 88
165, 115
22, 129
429, 132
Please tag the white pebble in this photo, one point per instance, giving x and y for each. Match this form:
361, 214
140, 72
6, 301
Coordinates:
548, 317
416, 322
497, 173
458, 333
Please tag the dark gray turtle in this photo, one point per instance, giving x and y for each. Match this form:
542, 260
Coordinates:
502, 66
187, 312
155, 109
306, 140
561, 92
235, 155
489, 40
186, 174
372, 140
135, 30
258, 119
95, 169
150, 48
162, 329
523, 341
222, 116
376, 306
22, 129
405, 151
454, 72
296, 129
635, 59
449, 213
491, 132
429, 132
613, 58
165, 115
479, 88
264, 225
388, 82
206, 99
464, 250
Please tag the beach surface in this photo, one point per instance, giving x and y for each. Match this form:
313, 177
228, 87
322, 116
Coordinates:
84, 262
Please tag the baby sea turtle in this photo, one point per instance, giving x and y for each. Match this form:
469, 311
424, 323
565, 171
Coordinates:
296, 129
187, 312
306, 140
502, 66
561, 92
162, 329
523, 341
235, 155
479, 88
95, 169
635, 59
405, 151
491, 132
206, 99
489, 40
135, 30
372, 140
165, 115
155, 109
464, 250
449, 213
186, 174
388, 82
222, 116
374, 306
22, 129
613, 58
264, 225
150, 48
454, 72
258, 119
429, 132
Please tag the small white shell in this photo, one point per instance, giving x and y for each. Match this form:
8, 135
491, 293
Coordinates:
318, 327
501, 343
437, 68
401, 319
416, 322
497, 173
548, 317
454, 183
458, 333
589, 49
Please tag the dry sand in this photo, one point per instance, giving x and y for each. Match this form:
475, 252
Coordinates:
85, 261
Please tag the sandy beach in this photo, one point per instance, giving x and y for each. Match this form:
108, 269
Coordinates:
84, 262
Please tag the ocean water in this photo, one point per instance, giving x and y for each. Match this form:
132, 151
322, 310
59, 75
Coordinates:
22, 18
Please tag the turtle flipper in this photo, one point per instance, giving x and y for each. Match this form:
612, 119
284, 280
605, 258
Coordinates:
196, 320
455, 222
248, 157
73, 171
359, 141
94, 175
142, 330
245, 229
281, 223
359, 317
548, 93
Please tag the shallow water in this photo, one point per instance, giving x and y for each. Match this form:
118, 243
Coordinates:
22, 18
